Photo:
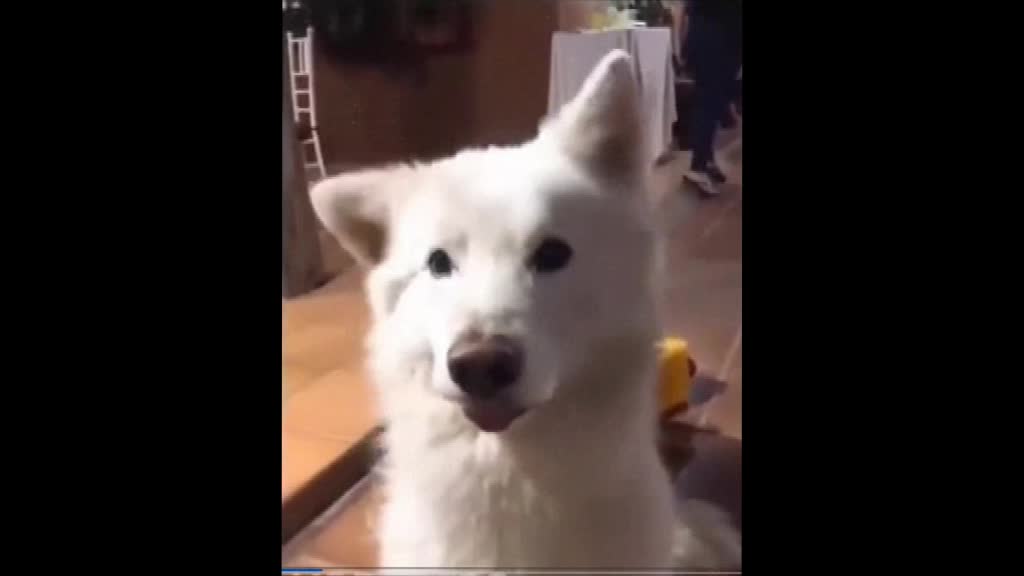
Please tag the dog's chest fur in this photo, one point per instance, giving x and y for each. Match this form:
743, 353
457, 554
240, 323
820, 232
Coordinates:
472, 501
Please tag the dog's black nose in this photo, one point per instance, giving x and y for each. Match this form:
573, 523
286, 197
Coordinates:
484, 365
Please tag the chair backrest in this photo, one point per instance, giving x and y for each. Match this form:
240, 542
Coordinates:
300, 52
300, 64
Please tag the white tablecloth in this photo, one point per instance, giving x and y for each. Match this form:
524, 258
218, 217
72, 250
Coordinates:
574, 55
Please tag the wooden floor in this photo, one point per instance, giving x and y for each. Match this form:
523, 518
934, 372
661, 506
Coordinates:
328, 403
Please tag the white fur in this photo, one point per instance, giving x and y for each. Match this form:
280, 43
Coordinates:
577, 481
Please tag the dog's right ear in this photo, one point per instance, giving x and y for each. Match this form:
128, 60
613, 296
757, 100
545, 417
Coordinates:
601, 127
356, 207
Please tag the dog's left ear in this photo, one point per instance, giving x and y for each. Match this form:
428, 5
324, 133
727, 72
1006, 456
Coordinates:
601, 126
356, 208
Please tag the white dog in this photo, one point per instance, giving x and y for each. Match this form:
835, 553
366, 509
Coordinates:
512, 346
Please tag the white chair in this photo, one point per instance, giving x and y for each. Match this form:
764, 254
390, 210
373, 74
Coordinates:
300, 71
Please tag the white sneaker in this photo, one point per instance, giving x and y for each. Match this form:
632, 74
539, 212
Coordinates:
702, 181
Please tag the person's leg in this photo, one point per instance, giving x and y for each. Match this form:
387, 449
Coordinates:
717, 107
728, 92
711, 64
732, 58
728, 119
703, 120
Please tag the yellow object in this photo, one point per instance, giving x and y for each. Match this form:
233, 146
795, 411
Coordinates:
675, 376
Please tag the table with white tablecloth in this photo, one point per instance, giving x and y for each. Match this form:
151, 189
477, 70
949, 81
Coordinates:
574, 55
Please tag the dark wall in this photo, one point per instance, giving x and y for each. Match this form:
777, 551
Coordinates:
492, 93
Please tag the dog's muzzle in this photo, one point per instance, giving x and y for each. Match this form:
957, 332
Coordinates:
485, 366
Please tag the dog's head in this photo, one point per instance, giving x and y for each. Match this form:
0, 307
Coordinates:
496, 275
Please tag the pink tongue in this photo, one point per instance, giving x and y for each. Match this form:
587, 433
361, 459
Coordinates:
492, 417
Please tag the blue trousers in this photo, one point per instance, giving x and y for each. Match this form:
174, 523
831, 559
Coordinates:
714, 55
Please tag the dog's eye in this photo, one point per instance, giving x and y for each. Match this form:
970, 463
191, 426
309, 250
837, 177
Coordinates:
552, 254
439, 263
